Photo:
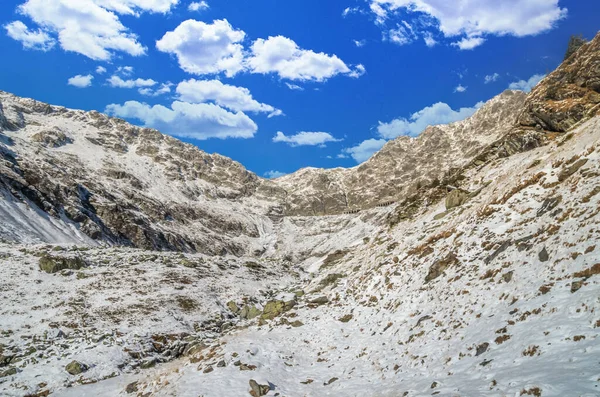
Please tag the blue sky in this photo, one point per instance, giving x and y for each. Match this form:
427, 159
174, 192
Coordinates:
281, 85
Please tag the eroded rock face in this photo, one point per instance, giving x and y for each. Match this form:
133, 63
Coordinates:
568, 95
403, 165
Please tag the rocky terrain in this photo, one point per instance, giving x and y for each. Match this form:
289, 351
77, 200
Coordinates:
463, 262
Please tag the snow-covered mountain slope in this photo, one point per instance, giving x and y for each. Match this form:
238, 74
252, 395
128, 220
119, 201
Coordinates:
500, 297
171, 272
403, 164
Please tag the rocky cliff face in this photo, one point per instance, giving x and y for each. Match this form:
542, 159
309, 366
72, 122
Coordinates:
126, 185
403, 165
568, 95
100, 179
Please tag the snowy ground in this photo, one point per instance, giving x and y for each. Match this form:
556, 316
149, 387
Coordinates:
499, 297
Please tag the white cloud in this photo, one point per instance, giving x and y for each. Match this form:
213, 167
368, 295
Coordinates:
34, 40
350, 10
460, 88
469, 43
198, 121
305, 138
100, 70
527, 85
133, 7
363, 151
198, 6
402, 35
117, 82
91, 27
294, 87
225, 95
164, 88
473, 19
274, 174
80, 81
490, 78
439, 113
429, 40
203, 48
282, 55
359, 43
125, 70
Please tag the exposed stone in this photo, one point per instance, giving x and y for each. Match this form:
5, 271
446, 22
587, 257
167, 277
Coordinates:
257, 390
439, 266
54, 264
570, 170
543, 255
131, 388
76, 368
231, 305
321, 300
456, 198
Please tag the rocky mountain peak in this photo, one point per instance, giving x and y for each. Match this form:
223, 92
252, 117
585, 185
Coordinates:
568, 95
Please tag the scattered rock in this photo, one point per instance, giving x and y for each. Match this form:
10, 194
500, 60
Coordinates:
76, 368
231, 305
346, 318
482, 349
439, 266
8, 372
221, 364
573, 168
456, 198
208, 369
297, 324
548, 205
54, 264
250, 312
330, 381
576, 285
543, 255
507, 277
258, 390
321, 300
131, 388
434, 385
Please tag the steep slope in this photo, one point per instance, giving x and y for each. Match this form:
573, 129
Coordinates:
403, 164
126, 185
488, 289
497, 298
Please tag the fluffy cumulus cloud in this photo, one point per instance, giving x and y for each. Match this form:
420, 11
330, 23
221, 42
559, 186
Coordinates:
527, 85
305, 138
31, 39
81, 81
472, 20
198, 6
100, 70
203, 48
363, 151
460, 88
274, 174
88, 27
191, 120
225, 95
439, 113
284, 57
117, 82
